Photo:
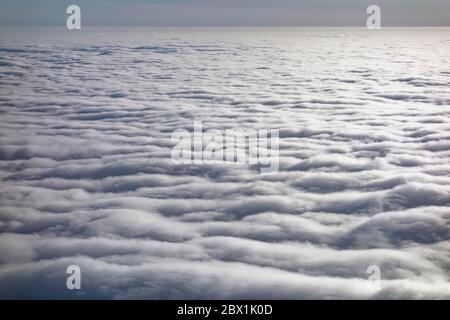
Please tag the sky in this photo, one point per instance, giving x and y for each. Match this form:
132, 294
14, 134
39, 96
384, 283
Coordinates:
225, 12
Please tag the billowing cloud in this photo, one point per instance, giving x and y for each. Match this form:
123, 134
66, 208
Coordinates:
87, 179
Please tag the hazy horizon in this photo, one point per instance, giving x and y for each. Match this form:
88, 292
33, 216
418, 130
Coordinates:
244, 13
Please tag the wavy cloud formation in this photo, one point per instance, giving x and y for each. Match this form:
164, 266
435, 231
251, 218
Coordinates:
87, 179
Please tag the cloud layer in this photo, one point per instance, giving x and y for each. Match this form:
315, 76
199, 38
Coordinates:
87, 179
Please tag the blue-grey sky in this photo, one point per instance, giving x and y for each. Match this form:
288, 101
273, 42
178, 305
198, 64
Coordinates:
226, 12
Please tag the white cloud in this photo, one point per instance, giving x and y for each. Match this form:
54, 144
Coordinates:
87, 178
